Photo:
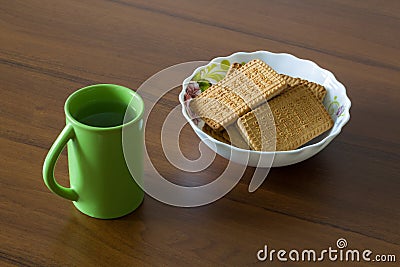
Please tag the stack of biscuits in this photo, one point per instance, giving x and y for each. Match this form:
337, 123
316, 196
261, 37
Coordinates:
256, 108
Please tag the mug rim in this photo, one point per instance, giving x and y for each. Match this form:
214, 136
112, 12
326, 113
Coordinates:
75, 94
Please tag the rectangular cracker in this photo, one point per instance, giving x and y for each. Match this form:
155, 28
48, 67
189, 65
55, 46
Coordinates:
318, 90
233, 68
216, 135
233, 138
298, 115
218, 107
255, 82
223, 103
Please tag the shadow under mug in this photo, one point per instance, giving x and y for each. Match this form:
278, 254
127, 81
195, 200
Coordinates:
101, 185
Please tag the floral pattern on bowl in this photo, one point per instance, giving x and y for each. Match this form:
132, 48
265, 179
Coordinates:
203, 79
207, 76
335, 108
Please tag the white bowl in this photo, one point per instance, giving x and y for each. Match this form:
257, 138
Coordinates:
336, 103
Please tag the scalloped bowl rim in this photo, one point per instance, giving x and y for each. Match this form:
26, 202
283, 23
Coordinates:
332, 134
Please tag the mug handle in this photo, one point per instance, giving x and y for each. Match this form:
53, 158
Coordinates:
50, 162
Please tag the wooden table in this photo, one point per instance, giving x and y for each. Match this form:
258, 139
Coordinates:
350, 190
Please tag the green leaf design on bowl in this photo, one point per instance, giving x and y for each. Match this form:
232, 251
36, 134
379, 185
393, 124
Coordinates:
335, 108
225, 64
204, 84
212, 74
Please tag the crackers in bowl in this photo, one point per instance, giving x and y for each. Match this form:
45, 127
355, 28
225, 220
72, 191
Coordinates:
271, 112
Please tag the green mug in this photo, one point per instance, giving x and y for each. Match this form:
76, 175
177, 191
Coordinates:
101, 185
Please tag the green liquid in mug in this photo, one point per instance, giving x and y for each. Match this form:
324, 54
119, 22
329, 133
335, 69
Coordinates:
105, 114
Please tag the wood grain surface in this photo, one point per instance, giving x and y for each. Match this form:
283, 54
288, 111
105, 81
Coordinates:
350, 190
